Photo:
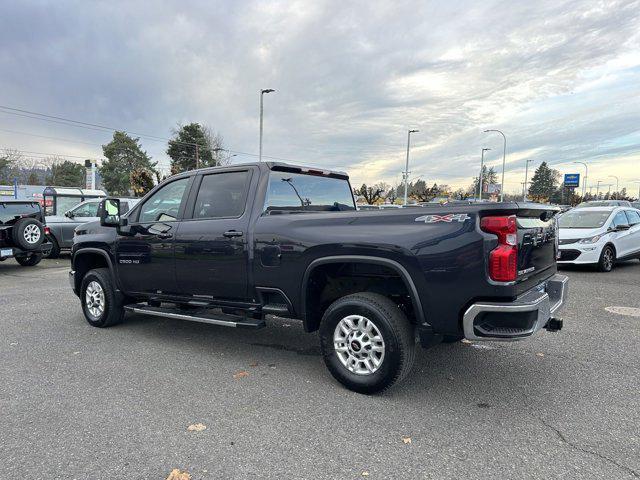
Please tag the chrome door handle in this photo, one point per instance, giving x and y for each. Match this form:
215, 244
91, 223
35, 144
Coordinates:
232, 233
164, 236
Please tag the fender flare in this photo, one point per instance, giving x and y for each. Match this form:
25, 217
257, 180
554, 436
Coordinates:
101, 252
394, 265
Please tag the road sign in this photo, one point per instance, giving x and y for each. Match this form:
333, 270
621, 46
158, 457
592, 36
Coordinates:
571, 179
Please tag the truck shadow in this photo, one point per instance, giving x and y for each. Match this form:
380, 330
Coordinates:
480, 375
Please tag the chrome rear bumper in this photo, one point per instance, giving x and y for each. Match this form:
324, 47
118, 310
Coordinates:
519, 319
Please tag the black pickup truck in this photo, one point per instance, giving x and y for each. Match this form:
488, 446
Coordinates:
231, 245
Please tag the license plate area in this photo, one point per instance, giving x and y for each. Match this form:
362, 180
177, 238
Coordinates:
6, 252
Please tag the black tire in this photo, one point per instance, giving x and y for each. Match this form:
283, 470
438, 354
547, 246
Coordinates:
55, 248
395, 329
452, 338
29, 260
28, 233
112, 311
607, 259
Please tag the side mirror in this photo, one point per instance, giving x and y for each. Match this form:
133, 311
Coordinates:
68, 214
109, 212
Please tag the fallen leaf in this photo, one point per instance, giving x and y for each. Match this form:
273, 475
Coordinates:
240, 374
406, 440
540, 354
365, 474
196, 427
253, 364
272, 365
464, 340
177, 474
76, 353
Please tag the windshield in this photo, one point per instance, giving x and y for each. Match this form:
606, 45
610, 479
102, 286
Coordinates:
295, 192
584, 219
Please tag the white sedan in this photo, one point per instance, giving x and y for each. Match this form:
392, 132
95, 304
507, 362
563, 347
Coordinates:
599, 236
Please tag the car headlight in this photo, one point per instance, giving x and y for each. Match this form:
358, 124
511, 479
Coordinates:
591, 239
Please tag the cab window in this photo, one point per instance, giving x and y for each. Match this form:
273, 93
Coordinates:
222, 195
164, 205
86, 210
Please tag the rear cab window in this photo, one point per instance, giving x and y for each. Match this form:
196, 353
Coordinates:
222, 195
296, 192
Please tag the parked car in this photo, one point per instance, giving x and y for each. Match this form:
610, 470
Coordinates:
61, 228
635, 205
230, 245
604, 203
599, 236
22, 232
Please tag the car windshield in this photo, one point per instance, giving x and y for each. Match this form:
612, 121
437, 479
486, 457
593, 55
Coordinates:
584, 219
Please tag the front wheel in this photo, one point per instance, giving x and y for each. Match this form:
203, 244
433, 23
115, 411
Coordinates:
98, 298
607, 259
367, 342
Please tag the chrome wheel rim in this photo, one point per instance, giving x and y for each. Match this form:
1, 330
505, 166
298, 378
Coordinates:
608, 259
94, 299
31, 234
359, 345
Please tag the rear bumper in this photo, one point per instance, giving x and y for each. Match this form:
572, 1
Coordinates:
529, 313
9, 252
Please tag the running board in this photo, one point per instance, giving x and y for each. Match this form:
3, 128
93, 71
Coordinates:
201, 316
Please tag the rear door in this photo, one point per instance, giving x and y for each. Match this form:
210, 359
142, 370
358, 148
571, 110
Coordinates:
145, 256
211, 247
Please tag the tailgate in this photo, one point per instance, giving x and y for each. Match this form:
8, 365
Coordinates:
537, 244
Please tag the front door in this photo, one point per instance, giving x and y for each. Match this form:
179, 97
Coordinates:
211, 244
145, 251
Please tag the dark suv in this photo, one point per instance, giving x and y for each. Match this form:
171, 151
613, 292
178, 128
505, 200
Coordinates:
22, 232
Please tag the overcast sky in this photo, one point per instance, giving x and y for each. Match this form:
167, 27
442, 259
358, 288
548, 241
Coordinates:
561, 79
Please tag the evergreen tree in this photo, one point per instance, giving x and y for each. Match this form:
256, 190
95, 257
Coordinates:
67, 174
194, 146
124, 155
543, 183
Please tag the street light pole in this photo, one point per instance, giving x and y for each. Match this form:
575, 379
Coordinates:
406, 168
481, 167
504, 157
617, 185
262, 92
524, 187
598, 189
586, 176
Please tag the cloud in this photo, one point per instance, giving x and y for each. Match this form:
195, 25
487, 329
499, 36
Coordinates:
561, 79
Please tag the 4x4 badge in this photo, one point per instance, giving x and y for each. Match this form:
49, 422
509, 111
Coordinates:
452, 217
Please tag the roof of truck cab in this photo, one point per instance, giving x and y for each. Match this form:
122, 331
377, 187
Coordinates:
279, 166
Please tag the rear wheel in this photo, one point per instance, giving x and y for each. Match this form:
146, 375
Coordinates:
29, 260
367, 342
607, 259
98, 298
55, 248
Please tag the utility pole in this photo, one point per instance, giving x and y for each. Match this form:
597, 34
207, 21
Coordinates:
524, 187
617, 186
262, 92
586, 176
504, 159
197, 158
481, 172
406, 168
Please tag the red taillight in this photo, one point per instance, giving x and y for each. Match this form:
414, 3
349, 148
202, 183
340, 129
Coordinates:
503, 260
47, 231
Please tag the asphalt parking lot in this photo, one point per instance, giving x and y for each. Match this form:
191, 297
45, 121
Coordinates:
85, 403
